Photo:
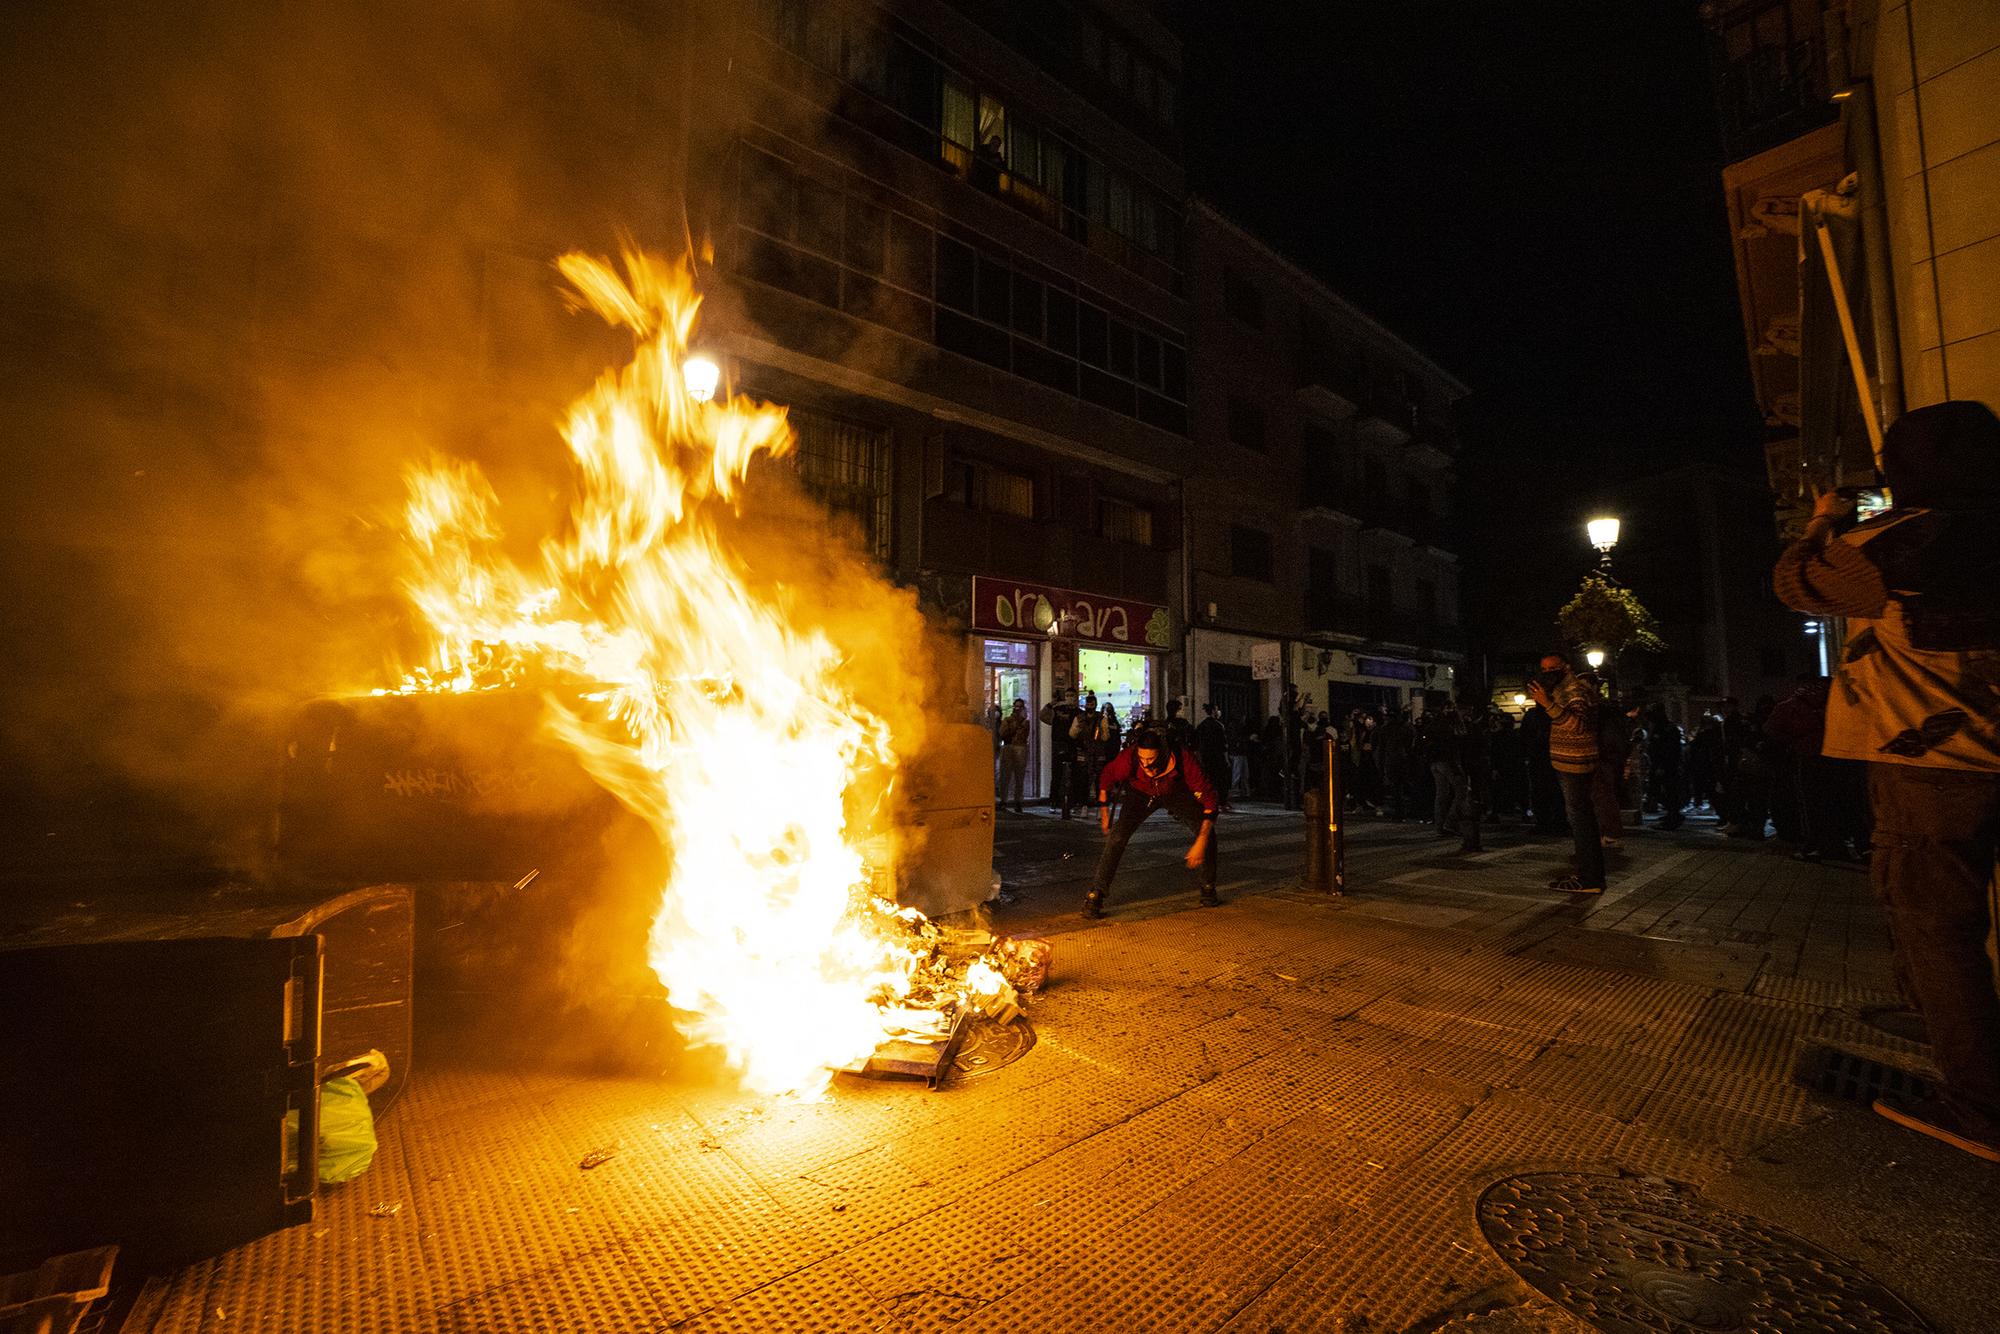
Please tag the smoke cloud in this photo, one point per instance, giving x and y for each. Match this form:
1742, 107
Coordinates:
254, 258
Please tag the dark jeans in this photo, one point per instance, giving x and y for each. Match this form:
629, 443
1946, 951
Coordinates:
1835, 805
1673, 797
1132, 812
1062, 780
1468, 803
1937, 832
1604, 792
1546, 796
1447, 782
1577, 790
1396, 790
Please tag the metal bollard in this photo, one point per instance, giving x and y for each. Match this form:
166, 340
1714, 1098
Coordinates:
1326, 842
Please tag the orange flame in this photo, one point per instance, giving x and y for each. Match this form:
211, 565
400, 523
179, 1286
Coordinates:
709, 712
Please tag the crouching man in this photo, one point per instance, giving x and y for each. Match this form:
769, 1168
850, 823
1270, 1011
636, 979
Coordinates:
1156, 775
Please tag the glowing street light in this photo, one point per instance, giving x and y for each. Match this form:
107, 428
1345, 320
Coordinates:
1520, 700
1595, 657
1603, 532
700, 374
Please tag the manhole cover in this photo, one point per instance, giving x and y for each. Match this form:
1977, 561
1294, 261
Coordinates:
988, 1046
1632, 1254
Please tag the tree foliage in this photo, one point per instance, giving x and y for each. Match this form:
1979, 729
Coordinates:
1610, 616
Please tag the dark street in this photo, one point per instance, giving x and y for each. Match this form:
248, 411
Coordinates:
564, 560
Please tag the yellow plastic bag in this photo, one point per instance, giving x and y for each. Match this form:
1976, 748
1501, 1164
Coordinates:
346, 1130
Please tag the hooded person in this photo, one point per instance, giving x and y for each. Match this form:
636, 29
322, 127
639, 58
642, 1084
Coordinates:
1917, 696
1154, 774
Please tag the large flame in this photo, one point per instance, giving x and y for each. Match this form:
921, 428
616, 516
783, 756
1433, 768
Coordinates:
703, 704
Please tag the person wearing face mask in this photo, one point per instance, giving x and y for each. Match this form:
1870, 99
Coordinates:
1155, 775
1571, 704
1917, 696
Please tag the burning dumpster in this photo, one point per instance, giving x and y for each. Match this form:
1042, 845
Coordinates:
694, 648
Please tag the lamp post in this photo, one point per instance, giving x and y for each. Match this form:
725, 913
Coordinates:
700, 374
1603, 532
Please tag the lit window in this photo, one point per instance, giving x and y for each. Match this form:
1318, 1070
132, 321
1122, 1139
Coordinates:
990, 490
957, 117
992, 142
845, 467
1024, 152
1123, 521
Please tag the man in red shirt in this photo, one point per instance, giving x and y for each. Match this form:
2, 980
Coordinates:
1156, 775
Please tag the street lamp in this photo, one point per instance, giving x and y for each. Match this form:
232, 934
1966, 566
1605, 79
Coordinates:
1603, 532
1595, 657
700, 374
1817, 632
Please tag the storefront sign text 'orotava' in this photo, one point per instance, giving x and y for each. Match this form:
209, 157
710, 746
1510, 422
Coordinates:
1013, 606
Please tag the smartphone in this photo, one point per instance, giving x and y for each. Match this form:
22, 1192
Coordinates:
1869, 501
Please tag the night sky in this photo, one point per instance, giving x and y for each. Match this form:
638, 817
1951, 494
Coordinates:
1528, 192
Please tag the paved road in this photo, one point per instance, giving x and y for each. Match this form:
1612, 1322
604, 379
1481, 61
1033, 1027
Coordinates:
1288, 1113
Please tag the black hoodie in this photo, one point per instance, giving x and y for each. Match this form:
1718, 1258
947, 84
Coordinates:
1944, 564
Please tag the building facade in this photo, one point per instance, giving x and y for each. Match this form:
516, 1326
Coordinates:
950, 238
1864, 145
1318, 497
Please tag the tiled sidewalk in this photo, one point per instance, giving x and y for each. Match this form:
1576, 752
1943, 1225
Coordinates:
1277, 1115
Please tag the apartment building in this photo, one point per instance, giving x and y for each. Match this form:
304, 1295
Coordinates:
1319, 497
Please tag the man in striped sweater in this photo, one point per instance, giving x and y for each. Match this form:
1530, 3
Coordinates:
1571, 704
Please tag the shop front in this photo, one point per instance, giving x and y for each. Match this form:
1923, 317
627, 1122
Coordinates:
1242, 675
1341, 680
1031, 640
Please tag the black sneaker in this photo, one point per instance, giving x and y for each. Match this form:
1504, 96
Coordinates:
1933, 1117
1209, 899
1569, 884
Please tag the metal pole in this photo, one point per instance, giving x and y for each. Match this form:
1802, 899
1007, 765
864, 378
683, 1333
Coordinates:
1328, 832
1855, 363
1336, 824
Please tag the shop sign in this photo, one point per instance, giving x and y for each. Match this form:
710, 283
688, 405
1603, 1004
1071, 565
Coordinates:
1389, 668
1265, 662
1012, 606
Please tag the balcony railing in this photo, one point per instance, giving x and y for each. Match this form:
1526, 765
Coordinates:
1770, 72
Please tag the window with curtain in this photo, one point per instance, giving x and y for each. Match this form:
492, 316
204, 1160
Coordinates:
1122, 521
845, 467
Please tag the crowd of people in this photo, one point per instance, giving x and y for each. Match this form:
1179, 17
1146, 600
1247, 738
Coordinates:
1896, 762
1458, 764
